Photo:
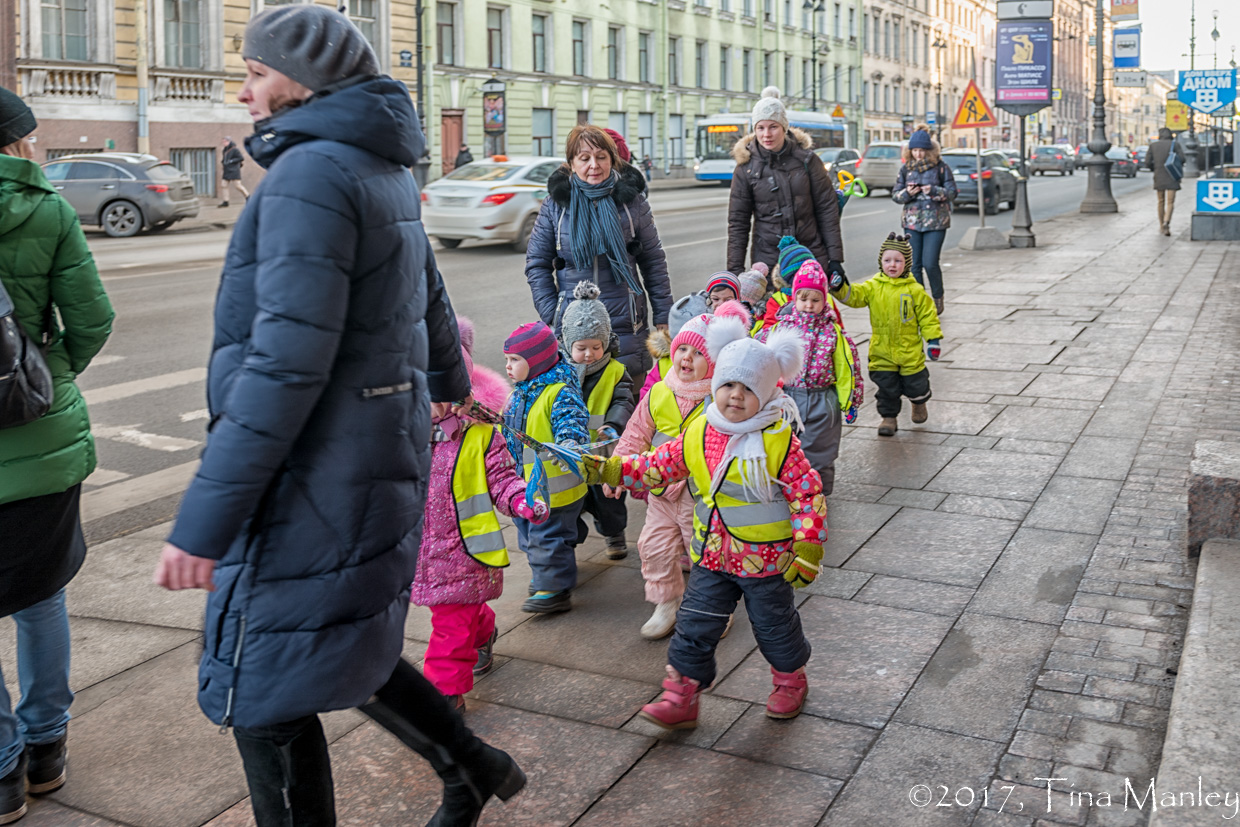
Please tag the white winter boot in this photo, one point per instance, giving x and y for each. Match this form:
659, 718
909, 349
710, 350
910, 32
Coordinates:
662, 622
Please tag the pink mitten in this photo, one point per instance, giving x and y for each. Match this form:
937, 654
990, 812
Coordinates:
537, 514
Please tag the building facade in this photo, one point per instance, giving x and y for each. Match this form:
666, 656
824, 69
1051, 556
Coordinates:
649, 70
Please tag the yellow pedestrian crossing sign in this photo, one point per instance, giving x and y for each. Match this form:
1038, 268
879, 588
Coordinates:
974, 112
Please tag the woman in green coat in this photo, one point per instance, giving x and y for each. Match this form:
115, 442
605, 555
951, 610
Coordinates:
44, 262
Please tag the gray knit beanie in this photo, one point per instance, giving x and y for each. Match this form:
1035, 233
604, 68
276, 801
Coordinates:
586, 317
686, 308
770, 108
314, 45
16, 119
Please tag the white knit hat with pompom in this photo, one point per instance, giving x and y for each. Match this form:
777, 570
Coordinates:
755, 365
770, 108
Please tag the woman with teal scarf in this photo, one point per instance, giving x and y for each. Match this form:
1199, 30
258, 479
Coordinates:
596, 225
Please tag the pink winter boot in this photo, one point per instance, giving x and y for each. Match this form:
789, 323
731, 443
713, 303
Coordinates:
789, 694
678, 708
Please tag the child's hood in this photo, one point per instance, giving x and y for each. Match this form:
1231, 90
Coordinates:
898, 281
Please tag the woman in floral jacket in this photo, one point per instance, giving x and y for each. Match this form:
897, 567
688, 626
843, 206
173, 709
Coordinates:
926, 188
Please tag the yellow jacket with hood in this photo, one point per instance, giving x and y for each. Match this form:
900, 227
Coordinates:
902, 314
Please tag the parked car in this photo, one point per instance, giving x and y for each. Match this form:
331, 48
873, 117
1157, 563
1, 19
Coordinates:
836, 158
1139, 154
492, 198
997, 178
1046, 159
123, 192
1082, 154
880, 165
1122, 162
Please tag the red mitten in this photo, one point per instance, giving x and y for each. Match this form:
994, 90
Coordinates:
538, 514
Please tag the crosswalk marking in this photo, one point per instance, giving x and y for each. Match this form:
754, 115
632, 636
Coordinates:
106, 360
191, 416
102, 476
136, 491
123, 390
130, 435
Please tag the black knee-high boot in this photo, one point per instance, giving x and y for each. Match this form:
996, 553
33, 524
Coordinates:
410, 707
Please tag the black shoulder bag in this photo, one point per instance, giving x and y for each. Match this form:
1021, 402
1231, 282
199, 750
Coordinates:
25, 380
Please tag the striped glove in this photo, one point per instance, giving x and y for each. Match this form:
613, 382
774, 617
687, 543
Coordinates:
804, 567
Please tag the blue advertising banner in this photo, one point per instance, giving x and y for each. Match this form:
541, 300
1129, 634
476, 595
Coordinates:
1126, 49
1207, 90
1023, 65
1218, 196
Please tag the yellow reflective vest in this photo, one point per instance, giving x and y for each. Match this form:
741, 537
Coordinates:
563, 487
475, 512
600, 397
665, 413
745, 520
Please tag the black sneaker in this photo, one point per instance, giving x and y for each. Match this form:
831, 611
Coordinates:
486, 655
542, 602
46, 772
13, 793
617, 547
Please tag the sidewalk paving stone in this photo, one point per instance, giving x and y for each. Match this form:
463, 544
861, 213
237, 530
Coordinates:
956, 549
995, 474
1036, 576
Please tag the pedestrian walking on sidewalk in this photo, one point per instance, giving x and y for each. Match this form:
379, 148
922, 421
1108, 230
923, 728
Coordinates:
464, 157
901, 315
462, 558
231, 162
759, 520
926, 188
780, 188
597, 225
47, 271
334, 344
1166, 179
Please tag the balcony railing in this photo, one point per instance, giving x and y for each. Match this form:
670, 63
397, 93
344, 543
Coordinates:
68, 82
187, 88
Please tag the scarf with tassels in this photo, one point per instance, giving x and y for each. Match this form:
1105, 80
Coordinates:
745, 445
594, 228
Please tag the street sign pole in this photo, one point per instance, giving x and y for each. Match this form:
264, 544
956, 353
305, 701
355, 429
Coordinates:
1022, 220
1098, 197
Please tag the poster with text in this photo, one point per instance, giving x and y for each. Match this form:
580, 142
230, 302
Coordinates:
1124, 10
1023, 60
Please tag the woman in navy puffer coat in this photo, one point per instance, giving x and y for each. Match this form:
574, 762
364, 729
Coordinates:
553, 270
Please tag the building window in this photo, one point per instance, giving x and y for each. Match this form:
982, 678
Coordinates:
699, 64
579, 47
538, 25
542, 127
183, 33
725, 5
495, 38
788, 76
768, 69
645, 134
747, 8
887, 38
913, 45
787, 12
768, 11
673, 61
886, 98
852, 24
865, 94
615, 42
65, 30
676, 140
925, 48
852, 81
807, 78
445, 24
365, 15
835, 28
643, 57
724, 65
895, 37
583, 117
835, 83
619, 122
747, 70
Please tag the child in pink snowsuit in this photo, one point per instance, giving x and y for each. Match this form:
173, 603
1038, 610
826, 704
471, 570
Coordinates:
453, 579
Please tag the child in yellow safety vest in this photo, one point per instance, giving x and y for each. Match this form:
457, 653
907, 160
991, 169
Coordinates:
759, 520
658, 343
546, 405
830, 388
585, 331
462, 556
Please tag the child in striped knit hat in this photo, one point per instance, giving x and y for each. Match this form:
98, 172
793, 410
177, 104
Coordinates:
901, 315
546, 403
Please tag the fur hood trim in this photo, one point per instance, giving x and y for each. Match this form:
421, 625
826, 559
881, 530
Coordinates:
631, 184
742, 149
659, 344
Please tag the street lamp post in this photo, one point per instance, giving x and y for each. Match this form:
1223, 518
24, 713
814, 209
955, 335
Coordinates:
1098, 197
813, 8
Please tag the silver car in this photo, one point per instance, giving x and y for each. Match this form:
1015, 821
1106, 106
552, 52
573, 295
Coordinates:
123, 192
496, 198
880, 165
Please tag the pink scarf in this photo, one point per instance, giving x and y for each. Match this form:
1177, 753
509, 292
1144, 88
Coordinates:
695, 391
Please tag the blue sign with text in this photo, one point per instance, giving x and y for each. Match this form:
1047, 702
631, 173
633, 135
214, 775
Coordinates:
1216, 195
1024, 62
1207, 90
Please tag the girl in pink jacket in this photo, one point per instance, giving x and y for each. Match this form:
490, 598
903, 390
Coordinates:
461, 559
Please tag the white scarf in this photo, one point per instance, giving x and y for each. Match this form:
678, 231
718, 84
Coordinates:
745, 445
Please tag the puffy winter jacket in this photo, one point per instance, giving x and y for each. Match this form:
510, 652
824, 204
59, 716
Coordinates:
926, 210
775, 194
333, 333
553, 290
901, 315
44, 260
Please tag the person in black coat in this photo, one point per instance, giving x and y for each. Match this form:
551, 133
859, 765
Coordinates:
230, 163
463, 157
334, 341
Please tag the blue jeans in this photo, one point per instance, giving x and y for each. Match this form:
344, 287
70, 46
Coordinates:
43, 674
551, 548
927, 245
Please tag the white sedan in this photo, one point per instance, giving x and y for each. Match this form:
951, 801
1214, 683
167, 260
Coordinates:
493, 198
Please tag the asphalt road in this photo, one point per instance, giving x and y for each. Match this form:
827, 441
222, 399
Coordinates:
145, 391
